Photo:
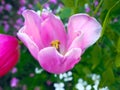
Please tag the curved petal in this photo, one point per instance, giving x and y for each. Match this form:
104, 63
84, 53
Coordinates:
83, 24
32, 26
9, 53
52, 61
71, 58
52, 29
9, 61
76, 42
30, 44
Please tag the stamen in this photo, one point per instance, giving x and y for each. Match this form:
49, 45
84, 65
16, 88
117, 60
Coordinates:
55, 44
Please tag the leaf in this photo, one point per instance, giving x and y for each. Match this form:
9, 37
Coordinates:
80, 2
107, 77
39, 6
117, 61
118, 45
1, 29
65, 13
115, 27
96, 52
107, 17
69, 3
107, 6
108, 3
97, 8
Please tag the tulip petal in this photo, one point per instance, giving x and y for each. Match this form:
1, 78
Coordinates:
12, 60
71, 58
32, 26
83, 24
7, 43
50, 60
30, 44
52, 29
9, 53
76, 42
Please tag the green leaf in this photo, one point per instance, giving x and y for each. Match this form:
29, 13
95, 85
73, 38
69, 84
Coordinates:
107, 6
115, 27
107, 77
39, 6
108, 3
69, 3
98, 7
96, 52
65, 13
1, 29
107, 17
118, 45
80, 2
117, 60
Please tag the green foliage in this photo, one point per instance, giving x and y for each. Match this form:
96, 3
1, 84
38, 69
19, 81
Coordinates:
65, 13
2, 29
110, 10
102, 58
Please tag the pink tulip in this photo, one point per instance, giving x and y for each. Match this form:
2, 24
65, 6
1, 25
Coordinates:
9, 53
56, 49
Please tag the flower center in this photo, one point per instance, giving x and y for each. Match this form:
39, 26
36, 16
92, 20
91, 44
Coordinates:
55, 44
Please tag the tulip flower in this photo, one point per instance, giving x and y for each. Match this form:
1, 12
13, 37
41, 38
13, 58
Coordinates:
58, 50
9, 53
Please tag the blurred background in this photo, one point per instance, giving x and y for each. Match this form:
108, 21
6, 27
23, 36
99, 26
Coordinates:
99, 68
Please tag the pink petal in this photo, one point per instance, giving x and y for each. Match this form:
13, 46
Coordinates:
86, 25
9, 53
52, 61
52, 29
76, 42
32, 26
30, 44
71, 58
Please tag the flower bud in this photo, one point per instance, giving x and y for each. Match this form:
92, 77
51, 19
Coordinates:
9, 53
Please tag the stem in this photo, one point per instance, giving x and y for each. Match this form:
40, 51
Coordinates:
106, 17
97, 8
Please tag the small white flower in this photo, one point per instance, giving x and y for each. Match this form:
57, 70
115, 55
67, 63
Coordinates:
95, 77
61, 76
104, 88
59, 86
66, 76
55, 75
79, 86
96, 84
38, 71
69, 73
88, 87
47, 10
68, 79
84, 83
86, 5
80, 80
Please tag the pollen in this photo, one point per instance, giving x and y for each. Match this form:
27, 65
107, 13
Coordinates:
55, 44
